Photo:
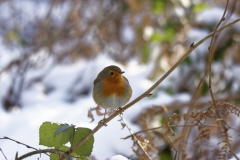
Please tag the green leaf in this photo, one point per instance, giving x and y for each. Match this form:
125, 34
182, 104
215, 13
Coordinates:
170, 30
169, 34
145, 53
82, 158
166, 35
187, 61
47, 131
199, 7
204, 89
14, 36
158, 6
54, 156
156, 37
166, 154
86, 148
63, 129
169, 91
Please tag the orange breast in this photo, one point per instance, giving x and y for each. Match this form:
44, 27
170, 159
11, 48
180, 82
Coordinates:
113, 86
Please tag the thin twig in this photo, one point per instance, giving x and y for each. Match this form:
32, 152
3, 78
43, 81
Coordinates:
3, 154
134, 136
211, 53
199, 104
183, 125
22, 144
19, 142
44, 151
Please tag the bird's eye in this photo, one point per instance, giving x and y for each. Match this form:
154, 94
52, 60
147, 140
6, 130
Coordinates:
111, 73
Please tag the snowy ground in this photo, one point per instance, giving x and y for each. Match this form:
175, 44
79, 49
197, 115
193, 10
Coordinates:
23, 124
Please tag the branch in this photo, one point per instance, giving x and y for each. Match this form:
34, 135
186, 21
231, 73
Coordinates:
3, 154
68, 157
19, 142
134, 136
155, 128
211, 53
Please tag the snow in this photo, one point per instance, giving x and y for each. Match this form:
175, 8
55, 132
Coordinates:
23, 124
212, 16
38, 107
118, 157
195, 35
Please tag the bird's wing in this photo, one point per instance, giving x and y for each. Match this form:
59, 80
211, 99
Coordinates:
126, 79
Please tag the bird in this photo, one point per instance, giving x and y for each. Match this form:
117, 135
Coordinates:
111, 89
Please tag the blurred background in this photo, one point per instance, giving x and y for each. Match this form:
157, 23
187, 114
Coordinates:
51, 51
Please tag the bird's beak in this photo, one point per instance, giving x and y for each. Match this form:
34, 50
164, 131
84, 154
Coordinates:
121, 72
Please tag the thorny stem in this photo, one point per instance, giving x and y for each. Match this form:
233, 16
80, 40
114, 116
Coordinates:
145, 94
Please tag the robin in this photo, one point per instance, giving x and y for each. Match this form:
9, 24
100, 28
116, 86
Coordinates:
111, 89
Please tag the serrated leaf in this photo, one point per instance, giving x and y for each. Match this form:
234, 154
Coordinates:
63, 129
86, 148
46, 135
